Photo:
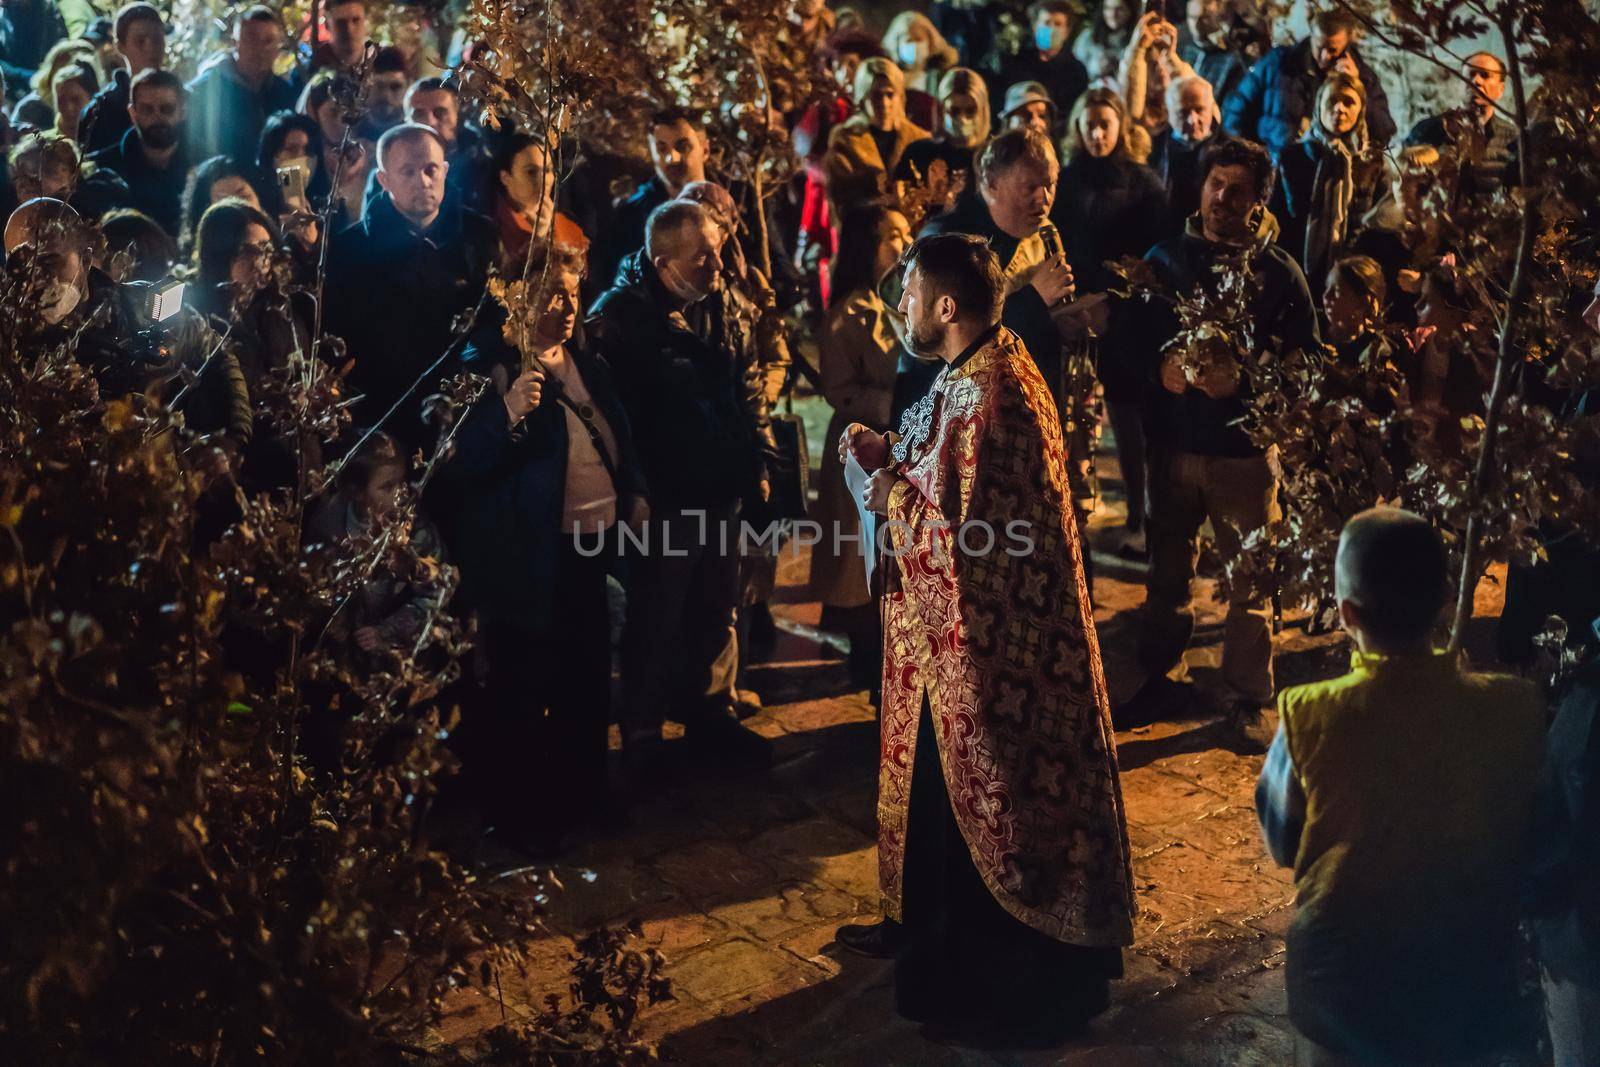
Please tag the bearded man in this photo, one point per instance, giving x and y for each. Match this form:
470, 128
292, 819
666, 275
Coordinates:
1002, 846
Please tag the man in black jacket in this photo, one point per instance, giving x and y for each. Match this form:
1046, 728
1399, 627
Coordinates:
1202, 464
1046, 57
233, 96
436, 104
1203, 44
695, 439
398, 279
152, 156
1175, 152
344, 42
141, 38
1017, 175
1486, 139
678, 148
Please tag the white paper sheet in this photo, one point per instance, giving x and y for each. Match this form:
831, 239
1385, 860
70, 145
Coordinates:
855, 479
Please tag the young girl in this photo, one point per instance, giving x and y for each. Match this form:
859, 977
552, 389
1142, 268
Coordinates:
1353, 302
387, 615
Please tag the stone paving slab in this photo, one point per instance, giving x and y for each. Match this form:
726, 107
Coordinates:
740, 881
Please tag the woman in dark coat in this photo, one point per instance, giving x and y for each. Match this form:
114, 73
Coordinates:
238, 252
543, 473
1107, 207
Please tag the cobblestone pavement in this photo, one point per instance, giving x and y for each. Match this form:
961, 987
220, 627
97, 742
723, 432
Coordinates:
741, 880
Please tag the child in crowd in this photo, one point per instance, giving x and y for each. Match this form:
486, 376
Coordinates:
1402, 794
389, 611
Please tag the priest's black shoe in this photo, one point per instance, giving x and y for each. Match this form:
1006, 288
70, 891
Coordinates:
879, 940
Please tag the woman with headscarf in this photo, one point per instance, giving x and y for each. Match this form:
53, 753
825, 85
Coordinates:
923, 55
865, 149
1330, 179
963, 128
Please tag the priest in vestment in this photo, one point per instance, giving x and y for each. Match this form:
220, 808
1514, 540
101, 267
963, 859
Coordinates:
1002, 844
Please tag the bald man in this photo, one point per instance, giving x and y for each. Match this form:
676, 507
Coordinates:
398, 279
1192, 126
55, 241
1476, 128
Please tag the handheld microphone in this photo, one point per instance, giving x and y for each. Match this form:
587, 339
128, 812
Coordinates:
1052, 241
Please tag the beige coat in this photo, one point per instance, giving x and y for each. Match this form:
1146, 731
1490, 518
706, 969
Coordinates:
857, 171
859, 356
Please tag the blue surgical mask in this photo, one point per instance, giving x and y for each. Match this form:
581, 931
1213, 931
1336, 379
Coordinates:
1047, 38
912, 54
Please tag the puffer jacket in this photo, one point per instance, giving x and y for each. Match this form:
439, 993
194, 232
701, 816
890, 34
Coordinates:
1274, 101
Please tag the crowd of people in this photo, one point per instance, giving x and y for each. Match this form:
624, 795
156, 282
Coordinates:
636, 385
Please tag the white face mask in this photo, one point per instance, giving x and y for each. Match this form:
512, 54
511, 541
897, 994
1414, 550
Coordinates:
58, 300
681, 287
912, 54
964, 129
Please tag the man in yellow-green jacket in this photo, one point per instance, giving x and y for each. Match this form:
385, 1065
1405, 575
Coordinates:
1402, 795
